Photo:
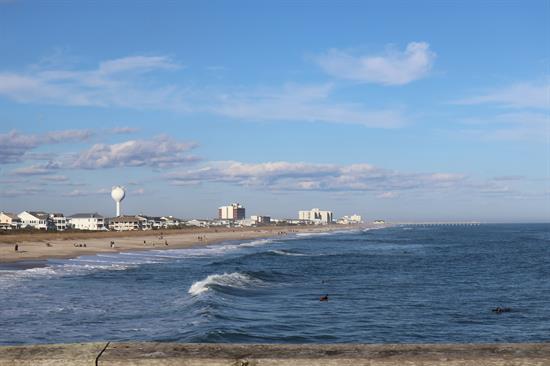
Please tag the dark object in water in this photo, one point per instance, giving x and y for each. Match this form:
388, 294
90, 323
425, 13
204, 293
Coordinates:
323, 298
499, 310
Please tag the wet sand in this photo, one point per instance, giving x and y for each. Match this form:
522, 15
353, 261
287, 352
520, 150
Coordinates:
41, 246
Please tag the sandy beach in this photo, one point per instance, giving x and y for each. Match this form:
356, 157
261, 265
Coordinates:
44, 245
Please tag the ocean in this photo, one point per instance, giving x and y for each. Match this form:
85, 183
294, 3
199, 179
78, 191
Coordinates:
403, 284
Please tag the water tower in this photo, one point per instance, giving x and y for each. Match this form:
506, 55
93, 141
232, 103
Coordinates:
118, 195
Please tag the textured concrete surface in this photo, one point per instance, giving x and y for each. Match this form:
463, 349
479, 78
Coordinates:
172, 354
51, 354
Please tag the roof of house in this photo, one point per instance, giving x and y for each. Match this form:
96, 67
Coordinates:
94, 215
125, 219
155, 218
39, 214
11, 215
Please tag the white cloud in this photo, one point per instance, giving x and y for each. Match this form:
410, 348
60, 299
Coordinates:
158, 152
16, 147
392, 68
304, 103
519, 95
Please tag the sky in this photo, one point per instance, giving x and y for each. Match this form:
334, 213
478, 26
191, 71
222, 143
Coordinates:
396, 110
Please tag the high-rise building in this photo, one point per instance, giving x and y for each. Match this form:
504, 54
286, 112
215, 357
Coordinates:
232, 212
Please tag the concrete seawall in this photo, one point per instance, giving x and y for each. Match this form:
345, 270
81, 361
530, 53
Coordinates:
172, 354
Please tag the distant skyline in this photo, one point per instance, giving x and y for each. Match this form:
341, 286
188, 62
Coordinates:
412, 111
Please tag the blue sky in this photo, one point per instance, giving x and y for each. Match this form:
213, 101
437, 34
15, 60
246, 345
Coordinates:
430, 110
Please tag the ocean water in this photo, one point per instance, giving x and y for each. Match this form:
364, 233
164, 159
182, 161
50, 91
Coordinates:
404, 284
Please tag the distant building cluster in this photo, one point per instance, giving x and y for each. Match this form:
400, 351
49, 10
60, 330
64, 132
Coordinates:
316, 216
40, 220
232, 215
351, 220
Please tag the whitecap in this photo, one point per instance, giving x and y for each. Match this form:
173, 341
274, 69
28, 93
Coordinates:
235, 279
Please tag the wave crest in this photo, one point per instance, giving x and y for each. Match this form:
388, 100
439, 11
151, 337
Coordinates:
235, 279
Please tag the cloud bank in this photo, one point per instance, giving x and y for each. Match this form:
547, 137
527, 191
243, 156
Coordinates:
14, 145
283, 175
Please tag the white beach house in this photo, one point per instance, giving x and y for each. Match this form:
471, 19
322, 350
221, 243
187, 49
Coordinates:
37, 220
87, 221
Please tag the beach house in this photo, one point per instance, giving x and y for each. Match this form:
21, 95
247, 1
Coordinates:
87, 221
59, 220
9, 221
37, 220
126, 223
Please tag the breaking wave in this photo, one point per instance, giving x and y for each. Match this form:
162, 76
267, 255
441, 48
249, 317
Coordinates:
234, 280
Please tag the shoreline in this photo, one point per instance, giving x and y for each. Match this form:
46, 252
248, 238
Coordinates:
62, 245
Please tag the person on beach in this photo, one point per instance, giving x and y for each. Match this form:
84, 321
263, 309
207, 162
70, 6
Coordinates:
16, 247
